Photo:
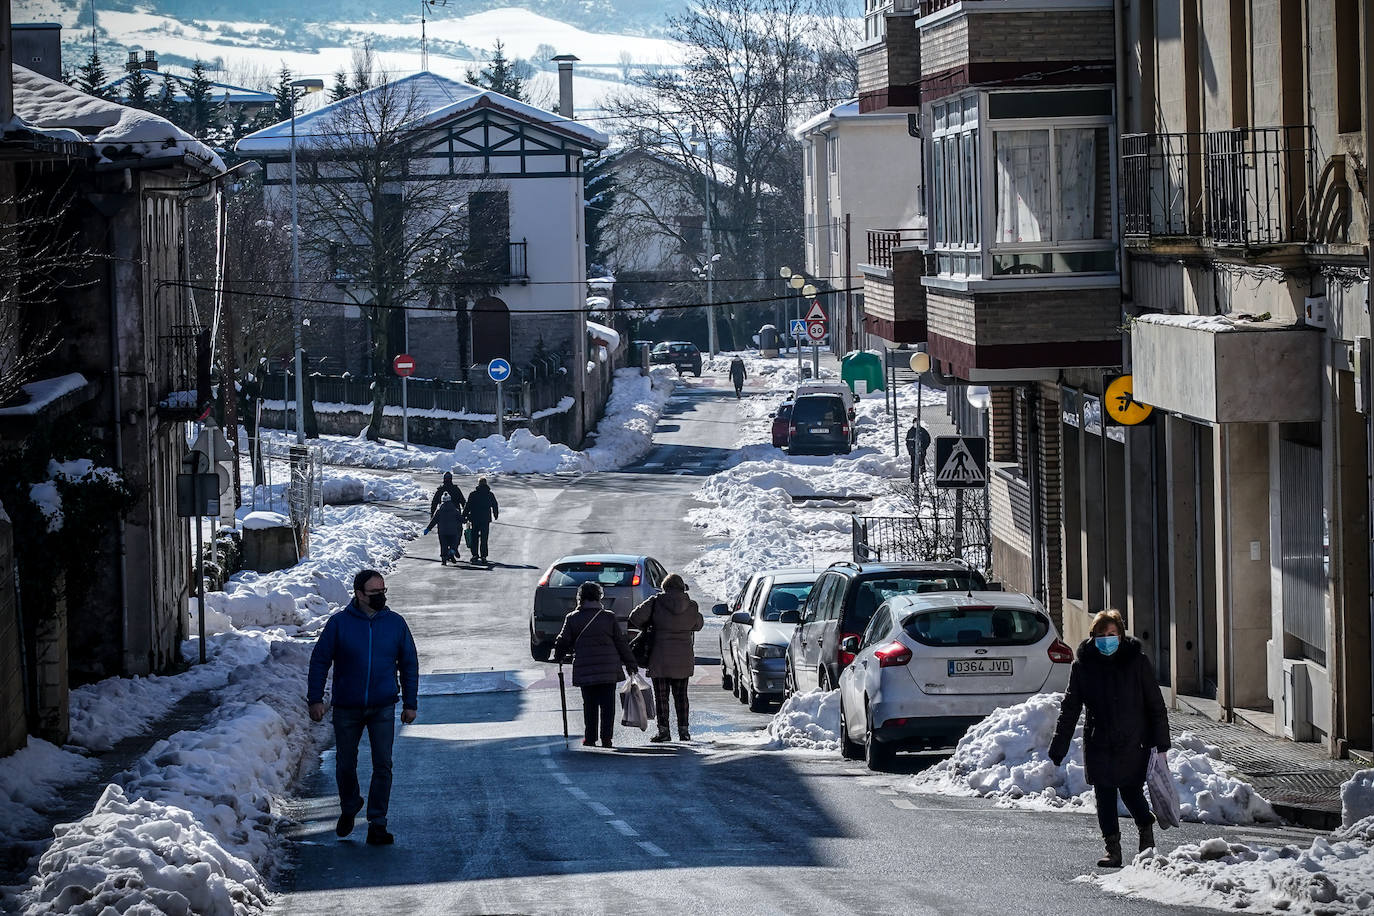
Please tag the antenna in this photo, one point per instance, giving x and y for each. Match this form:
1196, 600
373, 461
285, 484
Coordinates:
424, 39
92, 28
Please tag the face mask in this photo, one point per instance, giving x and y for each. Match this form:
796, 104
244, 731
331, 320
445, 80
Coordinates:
377, 602
1107, 644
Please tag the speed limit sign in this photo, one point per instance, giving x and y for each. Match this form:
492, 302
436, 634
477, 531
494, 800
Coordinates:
815, 329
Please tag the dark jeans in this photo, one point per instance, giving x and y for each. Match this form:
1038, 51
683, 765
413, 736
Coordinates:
448, 547
480, 530
1133, 796
380, 722
678, 685
598, 706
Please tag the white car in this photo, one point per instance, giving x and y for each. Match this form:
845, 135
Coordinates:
930, 665
753, 641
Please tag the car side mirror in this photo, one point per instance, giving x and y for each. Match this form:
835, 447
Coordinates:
720, 610
773, 415
790, 617
742, 617
850, 644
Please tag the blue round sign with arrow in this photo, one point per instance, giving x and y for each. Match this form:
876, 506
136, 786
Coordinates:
498, 369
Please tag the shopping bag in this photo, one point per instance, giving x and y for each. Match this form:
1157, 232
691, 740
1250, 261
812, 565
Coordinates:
470, 536
1159, 780
646, 690
634, 713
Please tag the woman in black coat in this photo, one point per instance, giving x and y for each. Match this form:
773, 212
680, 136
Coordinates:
1126, 717
598, 647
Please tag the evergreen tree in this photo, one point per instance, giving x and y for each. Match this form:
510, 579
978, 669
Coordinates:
340, 89
90, 76
166, 104
285, 105
200, 112
138, 89
501, 76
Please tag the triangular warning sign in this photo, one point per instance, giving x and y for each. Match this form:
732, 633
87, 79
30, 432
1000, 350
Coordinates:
960, 467
817, 313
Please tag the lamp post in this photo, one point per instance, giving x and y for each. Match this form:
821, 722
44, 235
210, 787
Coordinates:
809, 291
296, 275
980, 398
797, 282
712, 342
920, 364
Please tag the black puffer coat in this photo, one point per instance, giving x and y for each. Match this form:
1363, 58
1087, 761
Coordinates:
1126, 714
482, 507
598, 646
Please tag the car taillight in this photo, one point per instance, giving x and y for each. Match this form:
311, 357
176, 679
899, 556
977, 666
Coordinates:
545, 581
639, 571
844, 429
894, 653
846, 657
1059, 652
791, 429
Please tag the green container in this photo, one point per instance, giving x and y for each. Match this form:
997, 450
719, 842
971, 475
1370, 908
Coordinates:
862, 371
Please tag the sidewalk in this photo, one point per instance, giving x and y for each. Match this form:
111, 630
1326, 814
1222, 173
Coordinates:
1299, 779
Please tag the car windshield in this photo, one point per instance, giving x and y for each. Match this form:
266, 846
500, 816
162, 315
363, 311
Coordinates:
570, 575
977, 626
873, 592
789, 596
660, 348
818, 410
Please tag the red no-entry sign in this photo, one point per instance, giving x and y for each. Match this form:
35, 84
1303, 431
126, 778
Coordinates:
404, 364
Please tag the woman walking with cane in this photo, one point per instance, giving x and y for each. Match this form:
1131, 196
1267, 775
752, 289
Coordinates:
598, 648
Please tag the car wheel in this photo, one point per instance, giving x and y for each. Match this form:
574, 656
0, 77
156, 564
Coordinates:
877, 755
743, 694
789, 680
726, 680
735, 686
849, 749
757, 703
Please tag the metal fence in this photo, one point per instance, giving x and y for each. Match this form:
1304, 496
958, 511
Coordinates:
950, 525
537, 387
882, 241
286, 480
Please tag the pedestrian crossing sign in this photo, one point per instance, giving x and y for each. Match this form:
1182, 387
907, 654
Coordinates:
961, 462
798, 327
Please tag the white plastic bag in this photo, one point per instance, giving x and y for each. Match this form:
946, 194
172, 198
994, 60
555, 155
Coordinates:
1159, 780
635, 713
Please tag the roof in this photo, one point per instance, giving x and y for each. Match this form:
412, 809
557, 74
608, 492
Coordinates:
222, 92
439, 99
904, 567
113, 131
792, 574
842, 112
601, 558
964, 599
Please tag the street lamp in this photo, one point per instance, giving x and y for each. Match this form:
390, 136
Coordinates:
797, 281
296, 271
711, 340
920, 364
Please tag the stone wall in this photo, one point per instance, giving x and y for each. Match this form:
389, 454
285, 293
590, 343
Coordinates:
439, 432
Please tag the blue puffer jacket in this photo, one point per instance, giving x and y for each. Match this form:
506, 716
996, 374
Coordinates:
367, 653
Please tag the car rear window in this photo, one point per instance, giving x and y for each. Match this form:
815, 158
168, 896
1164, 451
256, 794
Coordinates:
819, 409
568, 575
977, 626
787, 597
871, 593
683, 348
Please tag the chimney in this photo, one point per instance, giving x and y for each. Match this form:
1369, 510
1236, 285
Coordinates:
149, 60
37, 46
132, 63
565, 84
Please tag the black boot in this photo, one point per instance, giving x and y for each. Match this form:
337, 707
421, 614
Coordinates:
1147, 833
1113, 857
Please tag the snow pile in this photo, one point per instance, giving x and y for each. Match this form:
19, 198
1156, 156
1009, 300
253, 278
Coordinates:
1357, 798
810, 721
1005, 757
522, 453
632, 412
43, 392
262, 519
29, 781
778, 374
346, 487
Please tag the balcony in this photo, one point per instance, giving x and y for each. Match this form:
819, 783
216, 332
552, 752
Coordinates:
498, 263
894, 300
881, 242
890, 58
183, 374
1245, 187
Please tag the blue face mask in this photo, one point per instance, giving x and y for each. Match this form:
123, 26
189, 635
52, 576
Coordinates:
1107, 644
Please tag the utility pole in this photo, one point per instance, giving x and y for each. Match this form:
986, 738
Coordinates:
296, 281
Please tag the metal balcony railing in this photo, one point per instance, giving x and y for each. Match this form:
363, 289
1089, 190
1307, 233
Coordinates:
1245, 186
183, 373
934, 6
499, 262
882, 241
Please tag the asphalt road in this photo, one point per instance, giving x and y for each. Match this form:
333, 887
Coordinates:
494, 814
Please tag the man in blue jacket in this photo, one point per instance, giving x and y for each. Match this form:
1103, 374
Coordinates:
369, 645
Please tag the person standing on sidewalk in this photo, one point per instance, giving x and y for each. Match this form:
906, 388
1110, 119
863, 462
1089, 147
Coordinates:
738, 375
674, 619
482, 510
369, 647
1115, 681
593, 637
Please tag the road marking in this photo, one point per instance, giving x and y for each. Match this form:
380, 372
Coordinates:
562, 779
886, 791
577, 793
903, 803
543, 749
624, 828
551, 764
600, 809
652, 850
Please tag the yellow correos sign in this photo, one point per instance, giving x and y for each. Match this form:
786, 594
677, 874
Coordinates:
1121, 406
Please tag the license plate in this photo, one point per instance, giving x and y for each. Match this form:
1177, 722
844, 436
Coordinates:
820, 429
974, 667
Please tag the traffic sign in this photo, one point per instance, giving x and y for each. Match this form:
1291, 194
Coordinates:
1122, 408
403, 365
798, 327
816, 313
815, 329
961, 462
498, 369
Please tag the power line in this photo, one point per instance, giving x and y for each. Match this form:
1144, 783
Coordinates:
618, 282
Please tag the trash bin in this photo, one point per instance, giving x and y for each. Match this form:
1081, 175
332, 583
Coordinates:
768, 341
862, 371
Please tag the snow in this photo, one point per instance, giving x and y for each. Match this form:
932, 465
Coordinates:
43, 392
29, 782
344, 487
1357, 798
1005, 757
47, 103
262, 519
810, 721
1216, 323
82, 470
389, 410
564, 405
610, 337
44, 495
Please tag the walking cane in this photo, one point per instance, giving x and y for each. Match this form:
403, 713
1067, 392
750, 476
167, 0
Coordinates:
563, 702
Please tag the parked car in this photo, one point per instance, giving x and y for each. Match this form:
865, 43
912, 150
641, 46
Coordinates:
842, 603
819, 425
626, 579
930, 665
753, 641
782, 417
679, 353
829, 386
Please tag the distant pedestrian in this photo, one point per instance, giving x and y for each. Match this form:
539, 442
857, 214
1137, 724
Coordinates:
369, 647
1114, 679
592, 637
917, 445
674, 618
452, 489
449, 520
481, 511
738, 375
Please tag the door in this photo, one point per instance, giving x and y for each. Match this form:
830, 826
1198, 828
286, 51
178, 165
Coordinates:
805, 647
490, 331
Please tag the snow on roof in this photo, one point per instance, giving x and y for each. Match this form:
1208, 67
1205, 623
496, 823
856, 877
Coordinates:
115, 131
603, 333
1218, 323
43, 392
437, 97
843, 111
221, 92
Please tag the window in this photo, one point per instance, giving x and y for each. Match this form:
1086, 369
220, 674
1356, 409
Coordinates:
824, 587
810, 159
954, 186
836, 231
787, 596
877, 627
571, 575
832, 153
977, 626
